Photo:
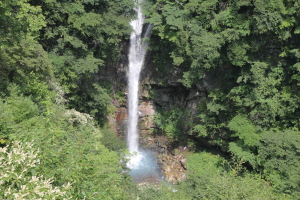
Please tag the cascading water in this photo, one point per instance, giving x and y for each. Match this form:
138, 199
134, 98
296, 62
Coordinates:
144, 161
136, 58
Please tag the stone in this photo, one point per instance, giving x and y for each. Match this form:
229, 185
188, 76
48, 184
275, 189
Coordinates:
119, 121
165, 97
182, 162
172, 167
146, 112
192, 106
115, 102
121, 114
193, 93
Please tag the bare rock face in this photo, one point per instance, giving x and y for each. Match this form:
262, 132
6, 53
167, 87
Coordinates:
118, 120
173, 167
157, 143
121, 114
146, 113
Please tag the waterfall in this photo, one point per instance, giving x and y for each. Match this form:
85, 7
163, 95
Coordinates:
136, 56
143, 164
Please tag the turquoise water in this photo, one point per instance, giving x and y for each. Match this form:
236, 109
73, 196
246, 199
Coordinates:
144, 167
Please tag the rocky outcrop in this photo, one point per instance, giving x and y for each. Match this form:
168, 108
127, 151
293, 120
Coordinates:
157, 143
146, 114
173, 167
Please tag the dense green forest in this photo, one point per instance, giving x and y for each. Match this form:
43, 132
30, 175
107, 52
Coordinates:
54, 139
46, 48
251, 48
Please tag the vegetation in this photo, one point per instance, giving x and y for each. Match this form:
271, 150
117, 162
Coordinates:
53, 133
212, 177
49, 149
17, 180
251, 49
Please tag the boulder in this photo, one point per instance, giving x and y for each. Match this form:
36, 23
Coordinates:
173, 167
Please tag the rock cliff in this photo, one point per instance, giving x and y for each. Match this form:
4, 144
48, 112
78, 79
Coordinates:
153, 95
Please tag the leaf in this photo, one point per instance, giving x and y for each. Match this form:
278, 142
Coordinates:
244, 129
243, 152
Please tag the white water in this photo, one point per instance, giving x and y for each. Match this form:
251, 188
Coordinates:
136, 56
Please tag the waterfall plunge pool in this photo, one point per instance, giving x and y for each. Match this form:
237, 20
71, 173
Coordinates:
144, 167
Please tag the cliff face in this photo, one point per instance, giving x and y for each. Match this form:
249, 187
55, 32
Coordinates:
153, 93
156, 92
152, 96
170, 92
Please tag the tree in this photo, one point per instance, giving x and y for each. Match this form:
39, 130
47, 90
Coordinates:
69, 143
82, 36
20, 54
19, 20
211, 177
279, 158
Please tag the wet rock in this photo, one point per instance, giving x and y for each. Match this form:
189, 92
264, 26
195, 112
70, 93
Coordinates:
162, 141
178, 150
162, 150
121, 114
118, 122
147, 108
150, 140
153, 142
146, 112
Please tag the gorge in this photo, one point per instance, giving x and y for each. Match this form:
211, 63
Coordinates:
214, 95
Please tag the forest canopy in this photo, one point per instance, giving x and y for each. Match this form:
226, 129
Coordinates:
46, 48
250, 50
53, 124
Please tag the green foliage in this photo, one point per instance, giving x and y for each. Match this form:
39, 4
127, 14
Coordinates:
161, 192
211, 178
243, 152
279, 157
251, 49
244, 130
21, 108
75, 39
249, 46
92, 98
237, 53
69, 143
23, 62
19, 20
81, 36
201, 130
19, 179
172, 122
20, 54
111, 141
204, 164
248, 134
